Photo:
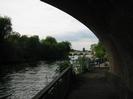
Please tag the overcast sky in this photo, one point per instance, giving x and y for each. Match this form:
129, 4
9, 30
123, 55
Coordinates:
33, 17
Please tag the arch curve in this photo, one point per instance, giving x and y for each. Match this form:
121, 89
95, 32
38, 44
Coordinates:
111, 21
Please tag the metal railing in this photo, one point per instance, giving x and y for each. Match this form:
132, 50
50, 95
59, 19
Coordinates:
59, 87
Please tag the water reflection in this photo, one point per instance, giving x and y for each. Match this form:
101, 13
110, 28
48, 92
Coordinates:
23, 81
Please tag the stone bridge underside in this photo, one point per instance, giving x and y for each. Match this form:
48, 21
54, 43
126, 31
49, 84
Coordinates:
112, 22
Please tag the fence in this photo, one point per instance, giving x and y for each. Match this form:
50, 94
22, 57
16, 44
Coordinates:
59, 87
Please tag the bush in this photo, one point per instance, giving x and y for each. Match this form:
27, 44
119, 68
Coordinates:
63, 65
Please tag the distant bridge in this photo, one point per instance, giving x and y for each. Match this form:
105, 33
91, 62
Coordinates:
80, 53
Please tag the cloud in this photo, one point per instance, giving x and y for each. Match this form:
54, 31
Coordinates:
79, 40
76, 36
33, 17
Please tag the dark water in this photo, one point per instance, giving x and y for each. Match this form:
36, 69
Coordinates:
23, 81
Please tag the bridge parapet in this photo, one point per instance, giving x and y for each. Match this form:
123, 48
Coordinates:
59, 87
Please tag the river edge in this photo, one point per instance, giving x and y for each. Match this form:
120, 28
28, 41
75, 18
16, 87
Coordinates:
24, 77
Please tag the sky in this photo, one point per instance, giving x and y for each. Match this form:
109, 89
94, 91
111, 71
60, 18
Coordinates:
33, 17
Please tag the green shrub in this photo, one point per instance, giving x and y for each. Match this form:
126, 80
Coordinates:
63, 65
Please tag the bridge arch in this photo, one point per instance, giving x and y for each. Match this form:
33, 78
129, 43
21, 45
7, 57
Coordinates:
111, 21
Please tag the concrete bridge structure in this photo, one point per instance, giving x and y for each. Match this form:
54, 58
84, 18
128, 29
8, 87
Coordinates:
112, 22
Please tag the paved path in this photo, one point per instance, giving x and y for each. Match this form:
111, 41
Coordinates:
98, 86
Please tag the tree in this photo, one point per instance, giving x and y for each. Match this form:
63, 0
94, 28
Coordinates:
14, 46
5, 30
33, 47
50, 40
14, 38
49, 45
98, 50
64, 48
54, 50
5, 27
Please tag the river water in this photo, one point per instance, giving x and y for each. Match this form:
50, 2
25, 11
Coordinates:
23, 81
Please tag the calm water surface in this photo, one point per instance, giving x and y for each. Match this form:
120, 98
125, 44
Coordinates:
23, 81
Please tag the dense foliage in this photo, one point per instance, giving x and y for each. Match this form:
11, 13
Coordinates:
63, 65
16, 48
5, 27
98, 50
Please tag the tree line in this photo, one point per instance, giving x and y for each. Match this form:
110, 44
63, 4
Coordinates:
18, 48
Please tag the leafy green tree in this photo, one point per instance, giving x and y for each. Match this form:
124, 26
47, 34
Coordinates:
5, 27
14, 38
15, 48
50, 40
23, 44
64, 48
23, 41
54, 50
5, 30
63, 65
98, 50
33, 47
49, 48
